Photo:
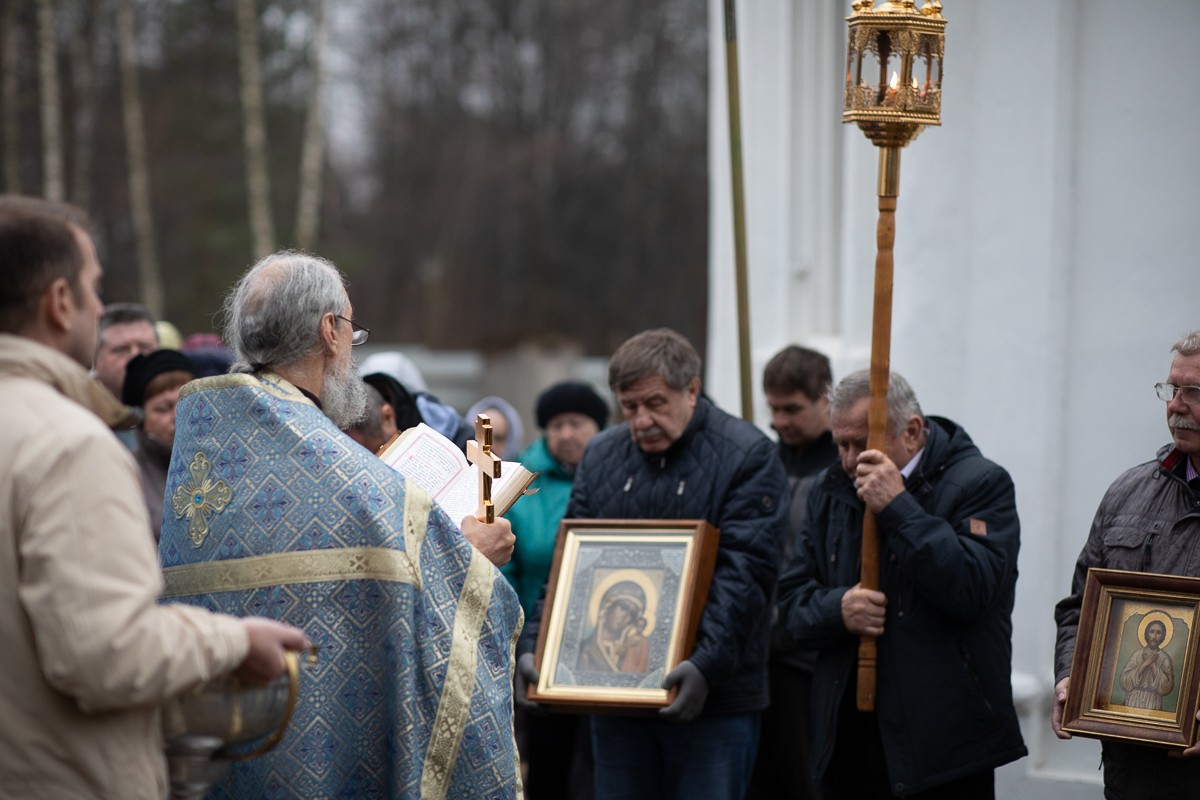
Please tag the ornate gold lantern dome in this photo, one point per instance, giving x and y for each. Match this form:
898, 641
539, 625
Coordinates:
895, 104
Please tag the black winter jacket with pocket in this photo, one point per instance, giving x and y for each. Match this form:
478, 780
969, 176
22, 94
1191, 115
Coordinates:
723, 470
948, 565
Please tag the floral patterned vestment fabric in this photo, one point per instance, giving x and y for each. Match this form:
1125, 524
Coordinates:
270, 510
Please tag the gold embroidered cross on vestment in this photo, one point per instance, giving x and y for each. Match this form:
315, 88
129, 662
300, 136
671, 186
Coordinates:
199, 497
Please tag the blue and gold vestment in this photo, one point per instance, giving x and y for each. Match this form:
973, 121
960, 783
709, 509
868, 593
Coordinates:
270, 510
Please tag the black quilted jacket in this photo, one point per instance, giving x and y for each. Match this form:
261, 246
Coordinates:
723, 470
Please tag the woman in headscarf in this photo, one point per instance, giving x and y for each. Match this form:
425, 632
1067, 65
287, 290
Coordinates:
153, 382
402, 387
508, 434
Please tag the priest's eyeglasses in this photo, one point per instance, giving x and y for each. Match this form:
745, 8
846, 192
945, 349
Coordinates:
360, 333
1188, 394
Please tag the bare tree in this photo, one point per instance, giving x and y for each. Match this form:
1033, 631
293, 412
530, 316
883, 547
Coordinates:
254, 130
10, 40
556, 150
83, 80
139, 173
309, 204
52, 144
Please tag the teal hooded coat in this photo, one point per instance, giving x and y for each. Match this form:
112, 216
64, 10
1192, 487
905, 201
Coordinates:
535, 523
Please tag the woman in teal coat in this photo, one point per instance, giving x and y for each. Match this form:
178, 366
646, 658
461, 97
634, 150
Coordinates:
535, 522
570, 414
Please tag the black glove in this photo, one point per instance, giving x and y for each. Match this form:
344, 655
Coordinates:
693, 691
525, 675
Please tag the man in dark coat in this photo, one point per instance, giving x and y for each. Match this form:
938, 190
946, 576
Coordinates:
679, 457
796, 382
949, 536
1148, 521
399, 409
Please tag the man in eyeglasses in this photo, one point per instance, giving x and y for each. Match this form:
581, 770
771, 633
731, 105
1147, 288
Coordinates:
1148, 521
270, 507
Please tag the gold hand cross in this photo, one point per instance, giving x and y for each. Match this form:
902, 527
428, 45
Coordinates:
481, 456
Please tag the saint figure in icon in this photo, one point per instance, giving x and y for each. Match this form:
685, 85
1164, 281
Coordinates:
1149, 674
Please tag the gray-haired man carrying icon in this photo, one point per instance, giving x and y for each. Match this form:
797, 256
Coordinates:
1148, 521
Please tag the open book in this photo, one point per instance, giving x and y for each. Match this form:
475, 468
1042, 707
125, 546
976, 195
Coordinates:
430, 460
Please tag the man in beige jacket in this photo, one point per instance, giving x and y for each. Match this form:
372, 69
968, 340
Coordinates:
87, 651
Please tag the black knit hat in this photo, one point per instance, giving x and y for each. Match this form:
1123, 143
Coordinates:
142, 369
571, 396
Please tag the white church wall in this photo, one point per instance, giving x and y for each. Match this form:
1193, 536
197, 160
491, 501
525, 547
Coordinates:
1045, 256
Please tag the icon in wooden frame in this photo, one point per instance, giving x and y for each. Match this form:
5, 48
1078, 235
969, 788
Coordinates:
1133, 674
622, 608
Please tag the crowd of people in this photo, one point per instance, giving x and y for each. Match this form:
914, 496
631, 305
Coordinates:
136, 467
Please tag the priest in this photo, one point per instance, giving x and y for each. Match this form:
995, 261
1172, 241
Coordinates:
272, 510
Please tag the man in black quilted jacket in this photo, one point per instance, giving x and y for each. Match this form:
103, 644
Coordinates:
949, 536
680, 457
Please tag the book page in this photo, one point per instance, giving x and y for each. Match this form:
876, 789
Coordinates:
462, 499
434, 463
428, 459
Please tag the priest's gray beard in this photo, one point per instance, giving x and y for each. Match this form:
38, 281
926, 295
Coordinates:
343, 396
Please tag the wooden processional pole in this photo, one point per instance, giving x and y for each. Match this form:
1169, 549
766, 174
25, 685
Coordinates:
908, 44
739, 209
881, 353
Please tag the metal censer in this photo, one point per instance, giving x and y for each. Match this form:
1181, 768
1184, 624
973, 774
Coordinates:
200, 727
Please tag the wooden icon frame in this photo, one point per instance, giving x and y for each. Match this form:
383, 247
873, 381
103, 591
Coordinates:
598, 563
1113, 600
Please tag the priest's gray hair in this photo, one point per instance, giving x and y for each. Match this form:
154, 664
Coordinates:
901, 400
273, 314
1189, 345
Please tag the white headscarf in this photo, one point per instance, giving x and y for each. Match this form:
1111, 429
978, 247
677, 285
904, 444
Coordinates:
399, 366
516, 431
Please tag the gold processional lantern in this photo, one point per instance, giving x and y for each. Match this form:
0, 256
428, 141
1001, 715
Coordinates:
900, 49
893, 90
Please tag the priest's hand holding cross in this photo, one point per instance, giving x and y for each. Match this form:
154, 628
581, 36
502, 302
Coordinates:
490, 534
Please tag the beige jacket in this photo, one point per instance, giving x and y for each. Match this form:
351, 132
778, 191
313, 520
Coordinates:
86, 653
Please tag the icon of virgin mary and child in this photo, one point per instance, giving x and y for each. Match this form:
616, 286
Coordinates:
1149, 675
618, 644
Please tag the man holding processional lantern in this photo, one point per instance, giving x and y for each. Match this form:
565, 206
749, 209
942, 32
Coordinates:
944, 717
908, 553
